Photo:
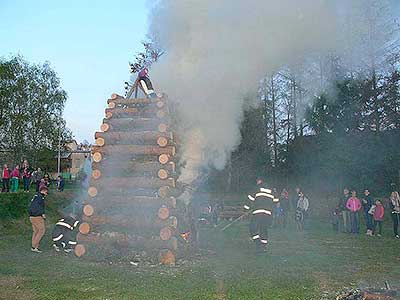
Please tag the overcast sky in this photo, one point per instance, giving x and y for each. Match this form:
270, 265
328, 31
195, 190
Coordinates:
88, 44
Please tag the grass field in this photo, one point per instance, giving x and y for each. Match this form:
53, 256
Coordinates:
315, 264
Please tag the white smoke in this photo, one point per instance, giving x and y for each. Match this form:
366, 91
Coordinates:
216, 53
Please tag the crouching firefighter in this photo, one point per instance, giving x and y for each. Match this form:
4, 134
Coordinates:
259, 206
64, 234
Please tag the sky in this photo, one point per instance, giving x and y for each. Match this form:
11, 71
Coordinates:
88, 44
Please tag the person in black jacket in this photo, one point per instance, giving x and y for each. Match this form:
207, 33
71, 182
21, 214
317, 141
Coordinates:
394, 203
64, 234
60, 183
367, 201
37, 217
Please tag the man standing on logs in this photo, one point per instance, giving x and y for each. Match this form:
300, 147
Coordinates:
260, 207
64, 234
145, 84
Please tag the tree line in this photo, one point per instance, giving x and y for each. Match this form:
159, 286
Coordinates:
31, 107
329, 121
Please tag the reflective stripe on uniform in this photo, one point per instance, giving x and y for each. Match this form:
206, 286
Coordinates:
251, 198
58, 238
63, 244
275, 200
72, 243
76, 223
266, 190
254, 237
65, 225
262, 211
264, 195
264, 241
246, 207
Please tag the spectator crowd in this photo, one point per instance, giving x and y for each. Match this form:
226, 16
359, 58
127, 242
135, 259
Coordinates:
349, 210
36, 178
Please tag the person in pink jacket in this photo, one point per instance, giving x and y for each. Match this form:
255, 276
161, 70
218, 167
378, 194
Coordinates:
354, 206
379, 212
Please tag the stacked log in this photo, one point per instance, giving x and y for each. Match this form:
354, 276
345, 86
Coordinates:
130, 201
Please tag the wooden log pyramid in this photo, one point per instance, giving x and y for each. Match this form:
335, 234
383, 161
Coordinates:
130, 203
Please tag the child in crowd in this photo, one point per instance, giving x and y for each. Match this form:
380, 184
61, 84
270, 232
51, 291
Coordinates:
378, 217
336, 215
60, 183
299, 219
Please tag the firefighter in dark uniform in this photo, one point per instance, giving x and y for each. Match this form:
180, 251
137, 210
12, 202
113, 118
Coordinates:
64, 234
260, 206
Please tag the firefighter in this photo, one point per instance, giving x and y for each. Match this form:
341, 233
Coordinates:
259, 206
64, 234
145, 84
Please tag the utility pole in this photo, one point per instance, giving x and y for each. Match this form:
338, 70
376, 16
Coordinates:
59, 152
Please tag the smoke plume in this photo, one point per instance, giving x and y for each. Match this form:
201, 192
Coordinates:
216, 53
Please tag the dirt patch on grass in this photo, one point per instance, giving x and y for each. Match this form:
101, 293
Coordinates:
14, 288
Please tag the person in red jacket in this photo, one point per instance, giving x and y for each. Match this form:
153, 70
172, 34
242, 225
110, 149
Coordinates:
354, 206
6, 179
379, 212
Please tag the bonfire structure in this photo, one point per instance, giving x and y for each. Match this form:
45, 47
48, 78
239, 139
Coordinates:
130, 203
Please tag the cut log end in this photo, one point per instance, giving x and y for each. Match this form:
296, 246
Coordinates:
162, 141
96, 174
162, 128
163, 212
88, 210
108, 115
167, 257
115, 96
166, 233
104, 127
161, 114
162, 174
92, 191
84, 228
80, 250
97, 157
100, 142
111, 104
163, 159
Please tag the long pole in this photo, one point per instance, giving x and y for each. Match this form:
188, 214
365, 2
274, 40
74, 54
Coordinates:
234, 221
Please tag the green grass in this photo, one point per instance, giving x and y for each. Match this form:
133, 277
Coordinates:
315, 264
